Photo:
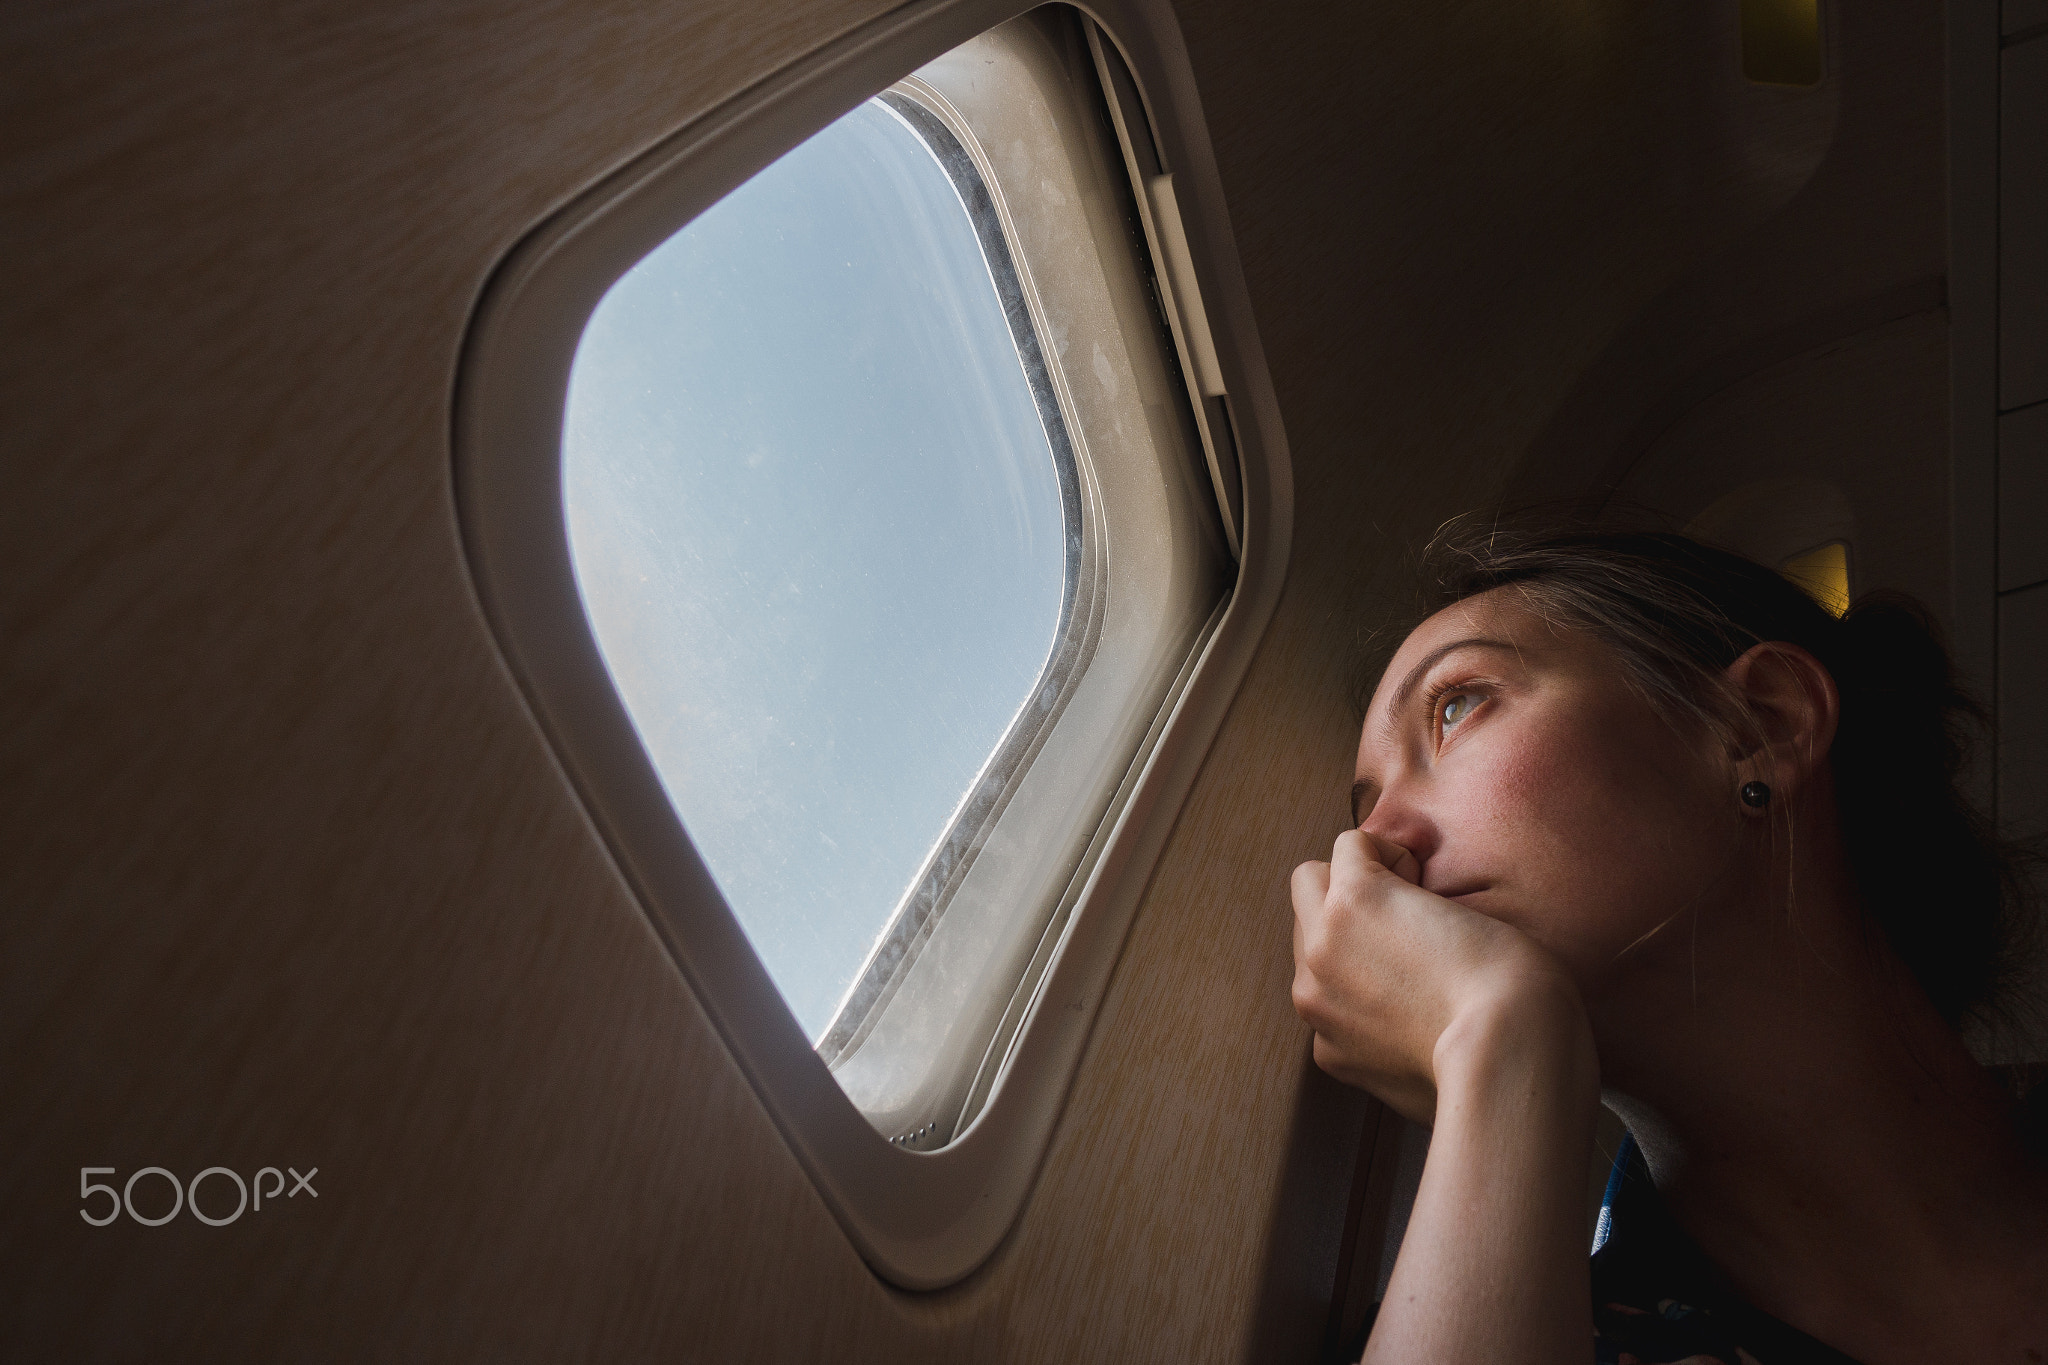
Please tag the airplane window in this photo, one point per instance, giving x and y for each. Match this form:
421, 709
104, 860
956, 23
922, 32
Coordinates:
817, 519
878, 519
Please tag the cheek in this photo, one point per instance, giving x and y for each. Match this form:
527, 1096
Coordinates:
1599, 838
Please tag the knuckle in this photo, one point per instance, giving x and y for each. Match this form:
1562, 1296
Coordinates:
1316, 955
1307, 996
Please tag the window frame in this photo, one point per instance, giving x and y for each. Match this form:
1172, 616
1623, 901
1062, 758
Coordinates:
920, 1219
1020, 107
924, 113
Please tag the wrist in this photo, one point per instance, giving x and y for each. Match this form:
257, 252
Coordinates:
1534, 1030
1493, 1265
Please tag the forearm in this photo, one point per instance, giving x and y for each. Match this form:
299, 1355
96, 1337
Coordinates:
1493, 1269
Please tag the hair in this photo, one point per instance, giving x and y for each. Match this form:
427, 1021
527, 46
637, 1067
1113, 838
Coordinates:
1947, 894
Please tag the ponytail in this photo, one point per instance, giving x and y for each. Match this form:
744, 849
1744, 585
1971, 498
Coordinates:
1933, 879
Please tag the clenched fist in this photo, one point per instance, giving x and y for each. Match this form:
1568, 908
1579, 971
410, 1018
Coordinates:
1391, 976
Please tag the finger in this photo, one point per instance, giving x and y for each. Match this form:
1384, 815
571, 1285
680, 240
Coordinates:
1357, 852
1395, 858
1354, 852
1402, 864
1309, 887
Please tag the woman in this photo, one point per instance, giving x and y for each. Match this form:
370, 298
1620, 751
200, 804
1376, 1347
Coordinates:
1638, 822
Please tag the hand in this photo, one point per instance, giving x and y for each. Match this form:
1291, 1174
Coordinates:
1390, 975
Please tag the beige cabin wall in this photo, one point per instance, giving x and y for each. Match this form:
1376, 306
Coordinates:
1861, 424
292, 877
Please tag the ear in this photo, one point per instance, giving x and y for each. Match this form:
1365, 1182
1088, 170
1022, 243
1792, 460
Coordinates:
1796, 707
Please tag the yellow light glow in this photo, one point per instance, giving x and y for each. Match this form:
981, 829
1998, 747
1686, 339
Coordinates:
1823, 574
1781, 41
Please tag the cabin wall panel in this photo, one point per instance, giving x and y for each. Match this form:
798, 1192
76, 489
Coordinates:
1998, 204
1859, 242
2023, 711
2023, 224
1972, 293
2023, 498
1856, 429
293, 879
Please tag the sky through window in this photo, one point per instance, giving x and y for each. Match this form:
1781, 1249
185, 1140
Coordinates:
817, 526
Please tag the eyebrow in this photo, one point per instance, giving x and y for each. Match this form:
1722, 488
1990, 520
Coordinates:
1366, 786
1431, 659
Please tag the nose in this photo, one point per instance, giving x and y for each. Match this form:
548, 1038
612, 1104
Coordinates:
1398, 817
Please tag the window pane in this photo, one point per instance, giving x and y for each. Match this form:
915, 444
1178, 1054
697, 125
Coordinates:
817, 525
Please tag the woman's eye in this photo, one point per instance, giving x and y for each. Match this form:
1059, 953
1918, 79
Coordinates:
1456, 707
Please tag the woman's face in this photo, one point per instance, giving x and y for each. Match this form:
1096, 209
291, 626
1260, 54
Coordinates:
1532, 784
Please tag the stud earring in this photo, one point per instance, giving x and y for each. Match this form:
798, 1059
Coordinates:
1756, 795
